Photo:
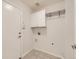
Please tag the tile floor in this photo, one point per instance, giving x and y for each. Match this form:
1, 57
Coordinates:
35, 54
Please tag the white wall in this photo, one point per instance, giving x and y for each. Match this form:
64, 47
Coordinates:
39, 40
26, 43
53, 33
55, 7
60, 30
55, 30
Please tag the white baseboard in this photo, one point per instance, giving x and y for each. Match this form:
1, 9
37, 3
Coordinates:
26, 53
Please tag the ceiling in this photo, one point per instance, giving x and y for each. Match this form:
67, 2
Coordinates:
39, 4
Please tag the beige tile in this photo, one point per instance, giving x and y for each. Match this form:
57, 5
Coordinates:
35, 54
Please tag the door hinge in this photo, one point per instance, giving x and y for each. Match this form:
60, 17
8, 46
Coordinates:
74, 46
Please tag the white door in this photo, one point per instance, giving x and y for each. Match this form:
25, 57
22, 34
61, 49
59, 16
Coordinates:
11, 28
70, 29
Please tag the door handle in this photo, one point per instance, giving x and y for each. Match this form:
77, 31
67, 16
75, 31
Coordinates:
19, 36
19, 32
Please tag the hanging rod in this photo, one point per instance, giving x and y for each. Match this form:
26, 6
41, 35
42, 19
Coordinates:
56, 13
